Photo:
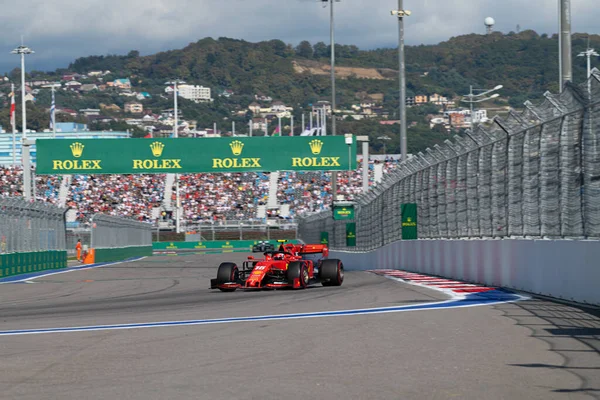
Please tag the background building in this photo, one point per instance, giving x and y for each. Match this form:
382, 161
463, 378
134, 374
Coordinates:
134, 108
195, 93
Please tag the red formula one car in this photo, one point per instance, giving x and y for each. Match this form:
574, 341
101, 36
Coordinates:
291, 266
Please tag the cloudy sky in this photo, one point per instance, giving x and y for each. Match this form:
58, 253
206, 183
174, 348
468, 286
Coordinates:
62, 30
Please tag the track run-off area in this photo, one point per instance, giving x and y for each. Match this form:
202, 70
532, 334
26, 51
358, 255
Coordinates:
151, 329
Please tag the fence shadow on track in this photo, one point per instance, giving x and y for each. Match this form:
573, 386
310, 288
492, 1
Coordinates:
571, 331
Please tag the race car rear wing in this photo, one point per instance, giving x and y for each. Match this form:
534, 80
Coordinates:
314, 249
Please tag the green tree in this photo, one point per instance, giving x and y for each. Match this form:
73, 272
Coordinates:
320, 50
304, 49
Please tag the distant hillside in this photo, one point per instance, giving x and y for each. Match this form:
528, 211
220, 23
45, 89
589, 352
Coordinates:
525, 63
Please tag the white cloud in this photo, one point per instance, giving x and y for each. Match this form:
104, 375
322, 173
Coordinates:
62, 30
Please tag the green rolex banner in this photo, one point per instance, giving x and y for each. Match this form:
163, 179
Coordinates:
409, 221
190, 155
351, 234
343, 212
325, 238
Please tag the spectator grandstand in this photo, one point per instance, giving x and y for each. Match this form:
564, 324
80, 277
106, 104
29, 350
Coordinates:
204, 197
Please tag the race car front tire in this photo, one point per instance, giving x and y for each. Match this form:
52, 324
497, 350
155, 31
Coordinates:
228, 272
297, 269
332, 272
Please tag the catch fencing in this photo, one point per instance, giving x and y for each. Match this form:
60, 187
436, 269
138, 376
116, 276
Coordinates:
110, 232
30, 226
534, 174
241, 230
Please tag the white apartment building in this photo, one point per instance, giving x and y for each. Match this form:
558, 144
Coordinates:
480, 116
194, 92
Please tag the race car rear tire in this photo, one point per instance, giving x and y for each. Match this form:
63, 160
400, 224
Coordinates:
228, 272
297, 269
332, 272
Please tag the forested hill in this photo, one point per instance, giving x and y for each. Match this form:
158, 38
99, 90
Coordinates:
525, 63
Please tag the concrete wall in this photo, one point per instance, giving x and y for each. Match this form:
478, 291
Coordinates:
566, 269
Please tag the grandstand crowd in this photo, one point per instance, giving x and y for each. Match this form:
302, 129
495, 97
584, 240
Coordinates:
204, 197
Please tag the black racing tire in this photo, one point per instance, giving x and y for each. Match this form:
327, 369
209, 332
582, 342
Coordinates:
298, 269
332, 272
228, 272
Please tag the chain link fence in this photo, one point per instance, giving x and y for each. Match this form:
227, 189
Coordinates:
110, 232
534, 174
27, 227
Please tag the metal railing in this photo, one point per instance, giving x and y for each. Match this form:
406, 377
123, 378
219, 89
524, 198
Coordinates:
30, 226
112, 232
534, 175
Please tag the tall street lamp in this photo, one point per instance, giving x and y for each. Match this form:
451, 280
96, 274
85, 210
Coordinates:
23, 50
589, 53
473, 98
333, 100
401, 13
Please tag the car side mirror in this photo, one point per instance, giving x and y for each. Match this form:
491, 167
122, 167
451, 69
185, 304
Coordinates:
250, 258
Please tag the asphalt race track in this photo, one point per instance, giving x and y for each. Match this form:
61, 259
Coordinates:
530, 349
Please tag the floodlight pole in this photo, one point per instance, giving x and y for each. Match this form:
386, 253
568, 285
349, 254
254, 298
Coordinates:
23, 108
14, 129
333, 99
402, 100
401, 13
22, 50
